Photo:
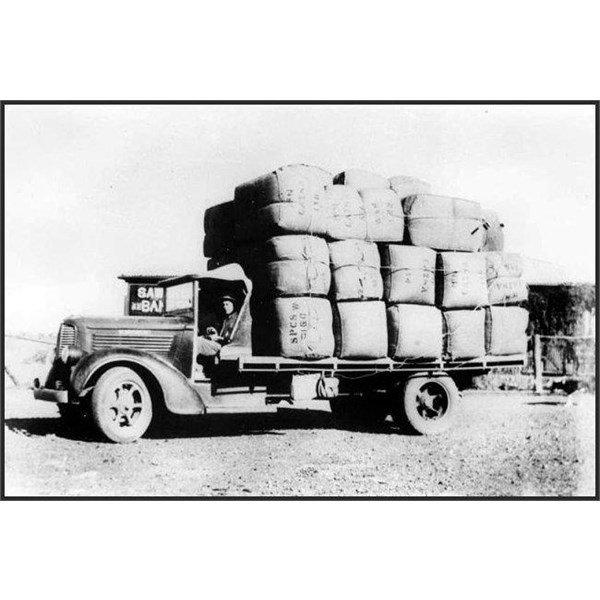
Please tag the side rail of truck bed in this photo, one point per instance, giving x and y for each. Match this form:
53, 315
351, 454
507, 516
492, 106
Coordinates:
277, 364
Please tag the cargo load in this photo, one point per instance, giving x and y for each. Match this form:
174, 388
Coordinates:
372, 214
461, 281
288, 265
288, 200
506, 330
405, 186
355, 270
360, 330
360, 179
464, 334
504, 272
408, 274
219, 230
444, 223
493, 238
414, 332
300, 327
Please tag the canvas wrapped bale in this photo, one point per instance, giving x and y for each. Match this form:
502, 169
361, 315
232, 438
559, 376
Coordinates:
219, 230
504, 272
299, 327
464, 333
289, 265
506, 330
360, 179
444, 223
384, 215
288, 200
461, 280
405, 186
355, 268
414, 332
372, 214
360, 330
493, 238
408, 274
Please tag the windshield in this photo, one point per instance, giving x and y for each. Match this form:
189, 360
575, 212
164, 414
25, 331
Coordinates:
179, 298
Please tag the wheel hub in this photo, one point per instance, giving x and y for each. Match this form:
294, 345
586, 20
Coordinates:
126, 405
432, 401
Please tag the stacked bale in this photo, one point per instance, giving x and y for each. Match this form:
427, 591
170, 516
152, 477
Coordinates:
462, 294
506, 319
444, 223
414, 323
360, 327
277, 220
290, 200
504, 274
322, 287
493, 238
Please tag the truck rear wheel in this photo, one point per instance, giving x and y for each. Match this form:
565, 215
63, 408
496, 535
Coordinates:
121, 405
427, 405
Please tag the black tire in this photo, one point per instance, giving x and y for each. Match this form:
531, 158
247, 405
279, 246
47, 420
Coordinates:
121, 406
427, 405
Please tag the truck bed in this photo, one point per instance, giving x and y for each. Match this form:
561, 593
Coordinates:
254, 364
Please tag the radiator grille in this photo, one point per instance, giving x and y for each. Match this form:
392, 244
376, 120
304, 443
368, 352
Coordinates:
66, 336
149, 343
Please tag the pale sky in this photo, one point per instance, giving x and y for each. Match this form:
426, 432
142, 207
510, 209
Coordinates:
96, 191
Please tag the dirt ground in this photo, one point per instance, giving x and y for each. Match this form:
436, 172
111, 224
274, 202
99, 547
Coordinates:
507, 444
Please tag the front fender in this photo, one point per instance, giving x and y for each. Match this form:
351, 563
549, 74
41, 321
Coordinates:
178, 395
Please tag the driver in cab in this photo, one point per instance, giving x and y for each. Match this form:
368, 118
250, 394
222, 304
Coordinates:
211, 342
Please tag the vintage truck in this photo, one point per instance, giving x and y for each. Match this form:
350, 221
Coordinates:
120, 374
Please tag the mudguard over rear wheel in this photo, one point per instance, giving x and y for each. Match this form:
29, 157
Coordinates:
121, 405
426, 405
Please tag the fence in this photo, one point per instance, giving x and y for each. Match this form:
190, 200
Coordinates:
573, 357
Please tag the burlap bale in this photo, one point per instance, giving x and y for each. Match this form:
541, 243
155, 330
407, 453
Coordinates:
345, 213
464, 333
405, 186
219, 229
493, 238
408, 274
506, 330
355, 267
360, 330
288, 200
296, 247
504, 278
292, 278
282, 218
384, 215
444, 223
414, 332
372, 214
360, 179
299, 184
461, 280
297, 328
502, 264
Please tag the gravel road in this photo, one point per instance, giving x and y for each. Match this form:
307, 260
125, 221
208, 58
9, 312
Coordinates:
503, 445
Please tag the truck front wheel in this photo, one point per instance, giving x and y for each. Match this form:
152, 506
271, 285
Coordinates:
427, 405
121, 405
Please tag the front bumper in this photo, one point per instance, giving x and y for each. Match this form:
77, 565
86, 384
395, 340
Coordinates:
58, 396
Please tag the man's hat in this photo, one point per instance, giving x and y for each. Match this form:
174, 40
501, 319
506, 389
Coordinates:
227, 297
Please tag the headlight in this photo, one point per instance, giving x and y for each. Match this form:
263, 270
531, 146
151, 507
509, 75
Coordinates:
70, 355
